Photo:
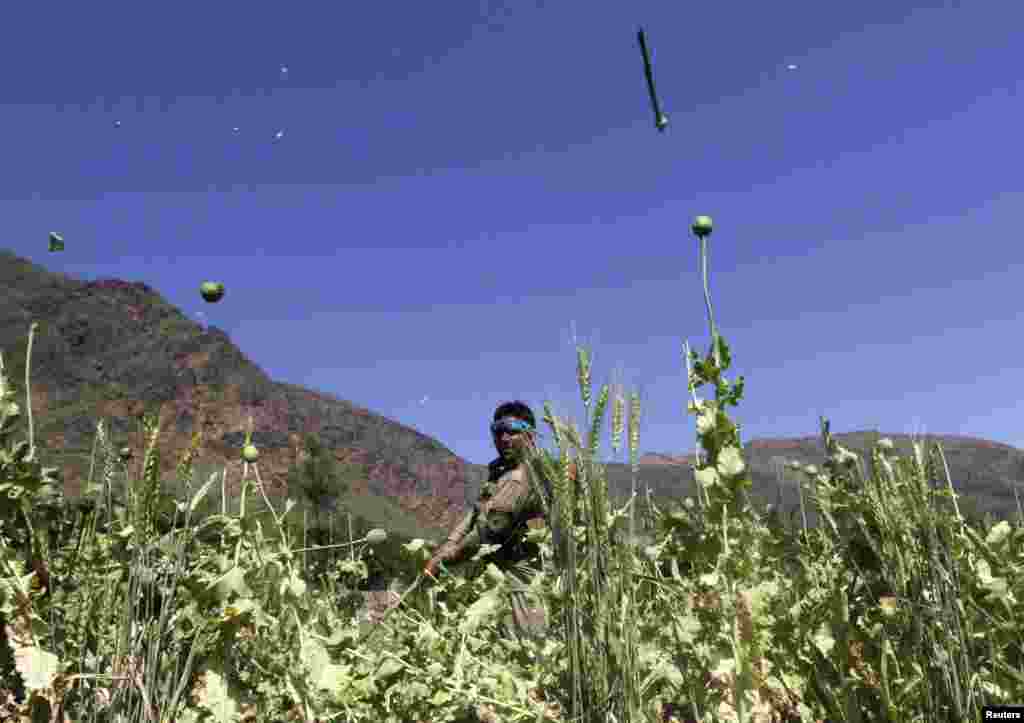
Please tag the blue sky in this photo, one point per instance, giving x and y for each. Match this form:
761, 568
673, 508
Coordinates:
460, 187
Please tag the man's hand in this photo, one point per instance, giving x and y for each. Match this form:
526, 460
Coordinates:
431, 569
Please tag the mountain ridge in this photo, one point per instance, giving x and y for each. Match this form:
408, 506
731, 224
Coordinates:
112, 349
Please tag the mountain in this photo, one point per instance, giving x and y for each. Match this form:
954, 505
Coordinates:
983, 471
112, 349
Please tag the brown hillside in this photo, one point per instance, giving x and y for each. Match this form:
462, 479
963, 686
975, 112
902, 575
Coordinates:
112, 349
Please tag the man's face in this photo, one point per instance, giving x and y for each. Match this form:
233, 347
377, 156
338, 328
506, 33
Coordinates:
510, 443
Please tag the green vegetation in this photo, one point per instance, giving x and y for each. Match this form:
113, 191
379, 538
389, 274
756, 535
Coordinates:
148, 602
175, 326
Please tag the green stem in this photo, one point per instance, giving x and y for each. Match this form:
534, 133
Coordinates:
707, 299
28, 393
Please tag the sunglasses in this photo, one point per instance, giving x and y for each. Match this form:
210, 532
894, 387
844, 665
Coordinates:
510, 425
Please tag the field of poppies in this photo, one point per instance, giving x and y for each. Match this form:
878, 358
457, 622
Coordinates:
133, 604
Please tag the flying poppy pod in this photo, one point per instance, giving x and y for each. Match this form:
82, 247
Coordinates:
212, 291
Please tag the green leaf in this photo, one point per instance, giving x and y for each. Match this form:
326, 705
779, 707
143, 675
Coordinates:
336, 637
38, 667
323, 673
687, 627
233, 581
725, 355
212, 694
706, 477
201, 493
823, 639
441, 697
484, 609
710, 579
414, 545
239, 608
416, 690
998, 533
730, 462
389, 667
294, 587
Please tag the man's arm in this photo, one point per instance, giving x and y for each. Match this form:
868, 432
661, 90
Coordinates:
491, 522
512, 505
514, 502
462, 541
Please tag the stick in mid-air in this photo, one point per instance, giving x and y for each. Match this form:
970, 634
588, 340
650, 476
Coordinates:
660, 119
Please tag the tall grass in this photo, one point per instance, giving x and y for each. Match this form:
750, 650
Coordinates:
124, 634
889, 551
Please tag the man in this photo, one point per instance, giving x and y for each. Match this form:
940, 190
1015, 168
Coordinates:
507, 503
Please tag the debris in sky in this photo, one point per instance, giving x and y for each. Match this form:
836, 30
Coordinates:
791, 66
235, 129
423, 401
284, 71
278, 136
117, 124
56, 242
660, 119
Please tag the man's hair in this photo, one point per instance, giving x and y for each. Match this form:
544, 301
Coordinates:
516, 409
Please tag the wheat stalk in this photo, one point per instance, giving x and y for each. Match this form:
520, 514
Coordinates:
583, 375
109, 466
598, 484
143, 508
618, 417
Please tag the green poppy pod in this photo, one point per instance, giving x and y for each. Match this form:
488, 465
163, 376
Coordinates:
493, 574
250, 453
702, 226
212, 291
